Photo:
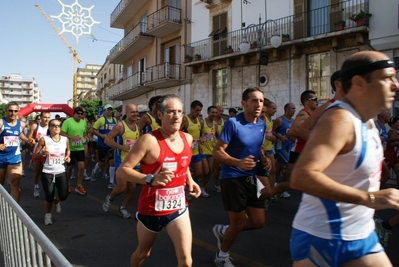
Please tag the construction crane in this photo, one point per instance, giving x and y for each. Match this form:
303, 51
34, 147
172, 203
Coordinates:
75, 56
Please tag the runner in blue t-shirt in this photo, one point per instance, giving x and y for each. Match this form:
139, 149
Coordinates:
238, 149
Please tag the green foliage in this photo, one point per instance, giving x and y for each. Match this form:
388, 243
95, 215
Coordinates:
91, 107
361, 15
2, 110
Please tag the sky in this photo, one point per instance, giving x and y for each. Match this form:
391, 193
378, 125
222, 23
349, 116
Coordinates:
32, 48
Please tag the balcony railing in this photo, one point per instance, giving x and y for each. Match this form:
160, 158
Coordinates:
299, 26
130, 83
132, 43
164, 21
163, 71
124, 11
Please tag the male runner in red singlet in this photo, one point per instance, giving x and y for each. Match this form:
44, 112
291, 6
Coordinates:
165, 156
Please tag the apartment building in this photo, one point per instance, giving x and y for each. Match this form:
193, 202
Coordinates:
152, 50
195, 48
108, 76
86, 81
23, 90
316, 36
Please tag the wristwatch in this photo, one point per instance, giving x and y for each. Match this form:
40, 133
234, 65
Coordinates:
149, 178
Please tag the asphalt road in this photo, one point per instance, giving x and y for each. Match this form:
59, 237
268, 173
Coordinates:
89, 237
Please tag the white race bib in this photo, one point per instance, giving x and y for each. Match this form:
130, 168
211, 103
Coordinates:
56, 158
11, 140
170, 199
130, 142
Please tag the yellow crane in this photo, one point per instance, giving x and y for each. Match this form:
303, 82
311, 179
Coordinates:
75, 56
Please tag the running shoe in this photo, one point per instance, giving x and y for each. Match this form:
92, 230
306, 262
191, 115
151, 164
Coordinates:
111, 186
285, 195
223, 261
204, 193
217, 231
80, 190
47, 219
69, 189
58, 207
217, 188
382, 233
72, 175
94, 175
86, 176
23, 173
36, 192
105, 176
107, 203
122, 212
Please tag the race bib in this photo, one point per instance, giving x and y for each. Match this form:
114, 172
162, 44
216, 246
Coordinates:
130, 143
268, 133
56, 158
169, 166
194, 145
11, 140
208, 137
77, 143
374, 179
170, 199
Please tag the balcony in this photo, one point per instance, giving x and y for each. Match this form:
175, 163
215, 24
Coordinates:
124, 11
164, 21
132, 43
296, 30
164, 75
129, 88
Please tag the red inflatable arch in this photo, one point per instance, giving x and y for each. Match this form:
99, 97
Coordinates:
46, 107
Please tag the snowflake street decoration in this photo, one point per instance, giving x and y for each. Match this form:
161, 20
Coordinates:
76, 19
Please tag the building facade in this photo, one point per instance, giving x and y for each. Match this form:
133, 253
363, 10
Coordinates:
23, 90
107, 77
192, 48
86, 81
151, 53
316, 37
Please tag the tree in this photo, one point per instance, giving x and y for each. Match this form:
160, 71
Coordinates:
91, 107
2, 110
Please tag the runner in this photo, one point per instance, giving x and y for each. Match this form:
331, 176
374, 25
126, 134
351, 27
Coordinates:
339, 172
165, 156
55, 151
127, 132
36, 132
10, 156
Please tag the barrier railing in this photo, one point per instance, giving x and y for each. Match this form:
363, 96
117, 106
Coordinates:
21, 240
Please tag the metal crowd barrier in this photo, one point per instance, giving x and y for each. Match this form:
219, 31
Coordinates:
22, 242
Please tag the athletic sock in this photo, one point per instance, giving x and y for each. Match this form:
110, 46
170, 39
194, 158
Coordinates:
222, 254
111, 175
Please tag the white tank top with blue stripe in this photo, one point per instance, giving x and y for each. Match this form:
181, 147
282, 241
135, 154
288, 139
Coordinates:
359, 168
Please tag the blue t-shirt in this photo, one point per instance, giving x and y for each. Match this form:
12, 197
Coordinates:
243, 139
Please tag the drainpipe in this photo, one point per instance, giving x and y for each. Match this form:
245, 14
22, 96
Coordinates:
289, 77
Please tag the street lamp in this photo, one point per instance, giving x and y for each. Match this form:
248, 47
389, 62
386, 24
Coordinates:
275, 41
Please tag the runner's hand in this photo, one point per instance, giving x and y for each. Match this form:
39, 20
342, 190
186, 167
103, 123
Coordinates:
247, 163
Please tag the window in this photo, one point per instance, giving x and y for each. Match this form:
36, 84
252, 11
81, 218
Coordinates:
319, 74
141, 71
220, 87
219, 34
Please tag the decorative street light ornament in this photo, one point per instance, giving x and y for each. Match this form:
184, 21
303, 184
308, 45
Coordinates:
275, 40
244, 46
76, 19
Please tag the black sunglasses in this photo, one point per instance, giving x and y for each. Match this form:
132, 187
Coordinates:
13, 110
313, 99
